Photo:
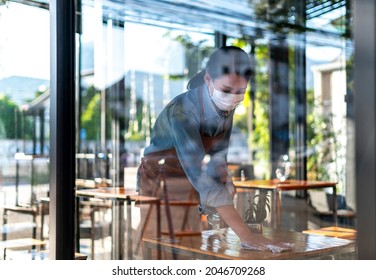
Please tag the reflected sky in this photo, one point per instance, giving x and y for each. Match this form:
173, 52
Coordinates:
25, 42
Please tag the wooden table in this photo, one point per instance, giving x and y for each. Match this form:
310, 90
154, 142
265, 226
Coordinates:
345, 233
276, 186
120, 196
92, 184
224, 244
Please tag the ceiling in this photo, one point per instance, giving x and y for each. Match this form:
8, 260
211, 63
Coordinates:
255, 18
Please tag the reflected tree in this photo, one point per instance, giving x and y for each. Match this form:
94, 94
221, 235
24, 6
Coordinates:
14, 125
196, 54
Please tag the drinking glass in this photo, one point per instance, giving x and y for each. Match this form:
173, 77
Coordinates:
283, 169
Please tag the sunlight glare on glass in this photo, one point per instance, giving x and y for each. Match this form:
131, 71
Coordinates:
25, 41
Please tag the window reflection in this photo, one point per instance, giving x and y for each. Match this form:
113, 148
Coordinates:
132, 61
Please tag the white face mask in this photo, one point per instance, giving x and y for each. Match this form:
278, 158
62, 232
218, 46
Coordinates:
226, 101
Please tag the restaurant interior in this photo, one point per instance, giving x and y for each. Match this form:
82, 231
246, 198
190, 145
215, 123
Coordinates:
82, 83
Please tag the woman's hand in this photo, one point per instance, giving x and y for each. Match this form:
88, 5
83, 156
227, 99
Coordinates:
260, 242
254, 240
257, 241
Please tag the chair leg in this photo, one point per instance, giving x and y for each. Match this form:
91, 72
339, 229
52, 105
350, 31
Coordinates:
5, 221
168, 213
92, 233
168, 210
144, 227
147, 218
42, 223
34, 225
186, 210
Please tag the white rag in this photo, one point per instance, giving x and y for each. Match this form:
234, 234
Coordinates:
274, 248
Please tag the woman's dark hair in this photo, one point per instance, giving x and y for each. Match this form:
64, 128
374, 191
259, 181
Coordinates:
225, 60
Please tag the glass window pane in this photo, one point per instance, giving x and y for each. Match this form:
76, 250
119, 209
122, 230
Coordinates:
24, 119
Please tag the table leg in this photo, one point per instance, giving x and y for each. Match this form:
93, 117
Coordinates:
114, 230
129, 230
306, 208
159, 253
335, 206
158, 219
274, 214
77, 221
42, 221
121, 230
147, 252
278, 208
117, 230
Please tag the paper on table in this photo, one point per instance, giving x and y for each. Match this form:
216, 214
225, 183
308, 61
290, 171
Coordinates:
284, 246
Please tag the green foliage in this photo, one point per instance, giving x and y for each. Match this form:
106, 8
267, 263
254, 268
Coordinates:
323, 145
91, 118
9, 113
260, 138
240, 121
241, 42
136, 136
13, 123
258, 208
283, 17
91, 114
195, 54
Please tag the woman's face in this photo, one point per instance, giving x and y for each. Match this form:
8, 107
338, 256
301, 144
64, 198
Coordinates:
228, 83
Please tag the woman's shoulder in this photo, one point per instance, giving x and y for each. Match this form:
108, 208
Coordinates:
188, 98
186, 103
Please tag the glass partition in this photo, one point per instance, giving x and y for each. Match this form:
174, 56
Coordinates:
133, 58
293, 123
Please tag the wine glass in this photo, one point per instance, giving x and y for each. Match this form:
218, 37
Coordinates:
283, 169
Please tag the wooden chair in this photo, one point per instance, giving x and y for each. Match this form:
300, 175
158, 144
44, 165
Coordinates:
322, 205
33, 211
186, 205
173, 230
21, 243
236, 170
90, 227
90, 208
32, 207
